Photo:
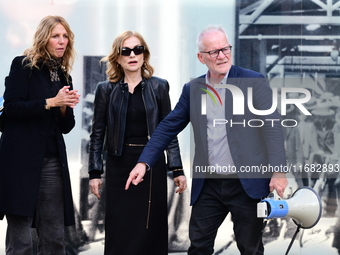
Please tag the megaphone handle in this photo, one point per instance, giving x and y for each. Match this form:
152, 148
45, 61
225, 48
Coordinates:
292, 241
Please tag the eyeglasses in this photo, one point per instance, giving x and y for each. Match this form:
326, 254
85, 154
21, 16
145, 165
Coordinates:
136, 50
215, 53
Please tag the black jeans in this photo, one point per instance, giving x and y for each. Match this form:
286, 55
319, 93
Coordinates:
49, 217
219, 197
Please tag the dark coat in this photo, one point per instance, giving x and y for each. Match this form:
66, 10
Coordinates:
24, 139
249, 146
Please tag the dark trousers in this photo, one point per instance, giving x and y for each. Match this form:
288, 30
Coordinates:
49, 218
219, 197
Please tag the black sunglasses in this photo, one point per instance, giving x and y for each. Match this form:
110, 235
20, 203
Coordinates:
136, 50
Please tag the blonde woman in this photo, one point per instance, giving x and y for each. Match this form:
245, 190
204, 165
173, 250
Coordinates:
39, 98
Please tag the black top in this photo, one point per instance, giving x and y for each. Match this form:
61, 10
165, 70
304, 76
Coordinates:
136, 126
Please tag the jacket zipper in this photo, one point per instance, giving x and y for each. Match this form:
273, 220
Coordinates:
118, 124
146, 111
150, 187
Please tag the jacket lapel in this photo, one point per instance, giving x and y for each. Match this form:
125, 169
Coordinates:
198, 121
233, 73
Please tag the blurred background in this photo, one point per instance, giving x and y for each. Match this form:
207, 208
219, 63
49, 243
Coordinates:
295, 43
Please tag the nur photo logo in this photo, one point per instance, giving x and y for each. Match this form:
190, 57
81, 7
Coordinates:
239, 103
204, 98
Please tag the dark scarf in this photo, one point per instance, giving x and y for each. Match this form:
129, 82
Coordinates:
53, 65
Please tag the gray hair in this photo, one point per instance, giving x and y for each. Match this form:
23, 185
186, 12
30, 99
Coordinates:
209, 28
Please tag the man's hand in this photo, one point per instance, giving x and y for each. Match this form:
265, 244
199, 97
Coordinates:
136, 175
279, 183
95, 185
181, 183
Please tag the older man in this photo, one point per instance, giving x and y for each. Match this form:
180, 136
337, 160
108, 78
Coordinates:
227, 143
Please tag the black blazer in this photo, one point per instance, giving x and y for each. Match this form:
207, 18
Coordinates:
24, 139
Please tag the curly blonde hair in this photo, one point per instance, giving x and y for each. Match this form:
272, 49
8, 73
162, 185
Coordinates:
39, 51
114, 71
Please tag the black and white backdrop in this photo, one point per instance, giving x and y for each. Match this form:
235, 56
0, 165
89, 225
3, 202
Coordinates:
295, 43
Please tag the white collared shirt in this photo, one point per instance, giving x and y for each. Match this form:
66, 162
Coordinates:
218, 148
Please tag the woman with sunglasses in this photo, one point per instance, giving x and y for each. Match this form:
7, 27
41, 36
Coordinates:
127, 109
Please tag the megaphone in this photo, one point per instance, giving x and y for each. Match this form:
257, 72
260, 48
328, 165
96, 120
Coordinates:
304, 207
